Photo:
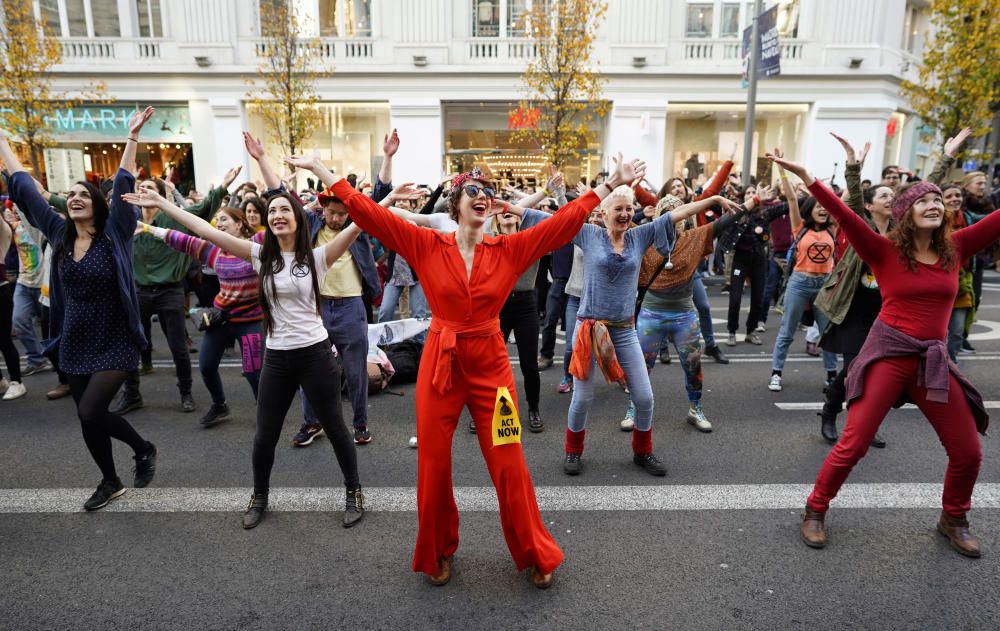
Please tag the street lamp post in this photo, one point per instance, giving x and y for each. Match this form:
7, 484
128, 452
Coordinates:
751, 92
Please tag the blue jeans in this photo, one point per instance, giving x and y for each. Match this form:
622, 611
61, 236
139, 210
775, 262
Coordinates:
629, 354
775, 270
390, 298
26, 308
250, 336
801, 291
572, 308
700, 297
555, 307
956, 332
345, 321
681, 327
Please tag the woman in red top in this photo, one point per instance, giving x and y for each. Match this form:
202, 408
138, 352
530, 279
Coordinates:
905, 354
467, 277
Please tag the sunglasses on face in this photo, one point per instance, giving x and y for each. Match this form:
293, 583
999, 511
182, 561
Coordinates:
473, 191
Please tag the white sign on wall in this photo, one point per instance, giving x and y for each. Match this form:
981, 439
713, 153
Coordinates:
63, 167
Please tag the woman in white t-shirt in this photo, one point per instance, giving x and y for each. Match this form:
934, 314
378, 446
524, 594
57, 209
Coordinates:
298, 350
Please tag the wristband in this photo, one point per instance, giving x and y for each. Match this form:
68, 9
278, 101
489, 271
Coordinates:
756, 200
145, 227
135, 140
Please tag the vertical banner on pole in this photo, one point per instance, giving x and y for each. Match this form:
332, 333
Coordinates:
768, 48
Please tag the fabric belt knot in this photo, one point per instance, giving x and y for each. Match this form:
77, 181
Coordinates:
594, 340
448, 334
934, 370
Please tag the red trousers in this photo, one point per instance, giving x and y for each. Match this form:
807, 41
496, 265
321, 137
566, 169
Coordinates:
885, 381
479, 367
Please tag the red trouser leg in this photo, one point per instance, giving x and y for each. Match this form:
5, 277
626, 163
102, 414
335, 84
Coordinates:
885, 380
956, 428
437, 514
528, 540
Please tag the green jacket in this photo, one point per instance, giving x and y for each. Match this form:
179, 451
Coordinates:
834, 299
155, 262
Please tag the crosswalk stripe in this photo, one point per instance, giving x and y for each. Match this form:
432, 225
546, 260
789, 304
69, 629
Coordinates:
483, 499
794, 406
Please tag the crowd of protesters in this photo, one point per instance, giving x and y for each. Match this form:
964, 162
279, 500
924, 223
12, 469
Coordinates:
884, 278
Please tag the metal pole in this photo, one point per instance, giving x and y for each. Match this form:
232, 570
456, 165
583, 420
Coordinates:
751, 93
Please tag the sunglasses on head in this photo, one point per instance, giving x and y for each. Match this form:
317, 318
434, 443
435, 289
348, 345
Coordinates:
473, 190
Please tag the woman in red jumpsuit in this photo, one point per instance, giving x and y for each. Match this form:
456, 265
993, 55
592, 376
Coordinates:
467, 277
905, 353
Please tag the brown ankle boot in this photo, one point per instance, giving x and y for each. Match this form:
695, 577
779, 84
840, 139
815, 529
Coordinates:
541, 581
812, 530
444, 573
957, 531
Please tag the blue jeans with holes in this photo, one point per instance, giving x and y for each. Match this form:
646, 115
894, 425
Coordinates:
801, 291
629, 354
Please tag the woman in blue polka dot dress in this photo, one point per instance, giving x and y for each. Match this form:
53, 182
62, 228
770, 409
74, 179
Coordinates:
94, 324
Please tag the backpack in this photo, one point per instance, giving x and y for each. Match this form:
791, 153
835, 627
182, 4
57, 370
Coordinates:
405, 358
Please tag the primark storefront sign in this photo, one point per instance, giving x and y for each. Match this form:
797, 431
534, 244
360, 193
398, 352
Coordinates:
109, 123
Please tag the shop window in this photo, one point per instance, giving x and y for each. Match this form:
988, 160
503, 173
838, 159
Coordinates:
699, 20
50, 16
104, 15
345, 18
788, 19
911, 29
486, 18
148, 12
77, 18
729, 26
518, 24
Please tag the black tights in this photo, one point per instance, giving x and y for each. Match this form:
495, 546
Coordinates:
520, 314
836, 392
92, 394
315, 369
7, 348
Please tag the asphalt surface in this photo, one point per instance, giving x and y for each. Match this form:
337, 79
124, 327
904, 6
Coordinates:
715, 568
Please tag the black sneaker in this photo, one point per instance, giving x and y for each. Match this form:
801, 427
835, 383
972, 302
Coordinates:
146, 368
966, 347
145, 467
573, 464
255, 510
665, 355
362, 436
354, 509
650, 463
535, 424
716, 353
307, 435
106, 491
472, 427
187, 402
215, 415
878, 442
126, 403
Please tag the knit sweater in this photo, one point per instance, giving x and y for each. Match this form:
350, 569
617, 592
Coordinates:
237, 279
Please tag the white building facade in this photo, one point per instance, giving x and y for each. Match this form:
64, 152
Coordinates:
446, 74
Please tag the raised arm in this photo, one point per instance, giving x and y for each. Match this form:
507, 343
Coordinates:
229, 243
24, 193
978, 236
390, 145
852, 174
5, 235
717, 182
205, 252
869, 245
255, 148
340, 244
132, 141
693, 208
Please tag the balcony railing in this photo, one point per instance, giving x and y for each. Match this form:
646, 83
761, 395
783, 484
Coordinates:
497, 50
327, 48
723, 51
79, 50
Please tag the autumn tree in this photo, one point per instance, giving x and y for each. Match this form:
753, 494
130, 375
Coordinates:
563, 89
283, 92
28, 53
959, 79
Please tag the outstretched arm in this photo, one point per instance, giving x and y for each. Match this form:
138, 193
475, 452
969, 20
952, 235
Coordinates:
978, 236
688, 210
255, 148
132, 141
852, 174
24, 193
234, 245
340, 244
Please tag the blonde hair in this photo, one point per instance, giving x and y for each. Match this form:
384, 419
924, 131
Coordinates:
622, 192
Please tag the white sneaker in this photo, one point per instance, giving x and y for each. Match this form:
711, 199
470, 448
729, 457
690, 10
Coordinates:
761, 328
696, 417
15, 390
731, 340
775, 384
629, 421
3, 385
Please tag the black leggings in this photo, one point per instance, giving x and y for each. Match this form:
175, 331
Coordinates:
753, 265
316, 371
520, 314
836, 393
7, 348
93, 394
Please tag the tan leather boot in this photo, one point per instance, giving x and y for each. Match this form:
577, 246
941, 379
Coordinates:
957, 531
541, 581
444, 573
812, 530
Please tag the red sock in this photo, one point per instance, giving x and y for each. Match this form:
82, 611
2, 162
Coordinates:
642, 442
574, 441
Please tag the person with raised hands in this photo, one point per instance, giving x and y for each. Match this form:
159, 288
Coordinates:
94, 324
605, 332
468, 277
297, 347
905, 354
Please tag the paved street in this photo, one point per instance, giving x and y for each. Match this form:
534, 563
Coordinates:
714, 545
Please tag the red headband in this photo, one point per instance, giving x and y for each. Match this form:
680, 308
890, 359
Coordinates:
912, 194
475, 174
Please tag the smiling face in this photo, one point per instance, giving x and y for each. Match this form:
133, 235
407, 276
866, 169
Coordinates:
617, 215
79, 203
281, 217
226, 224
253, 216
881, 204
472, 209
677, 188
507, 223
928, 211
952, 199
335, 215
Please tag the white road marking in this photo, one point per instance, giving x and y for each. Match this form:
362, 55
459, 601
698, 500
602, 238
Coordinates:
483, 499
990, 405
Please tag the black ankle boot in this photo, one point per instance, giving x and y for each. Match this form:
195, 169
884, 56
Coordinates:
255, 510
828, 425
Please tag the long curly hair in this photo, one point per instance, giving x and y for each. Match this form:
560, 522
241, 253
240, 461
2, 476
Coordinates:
271, 261
903, 236
101, 213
